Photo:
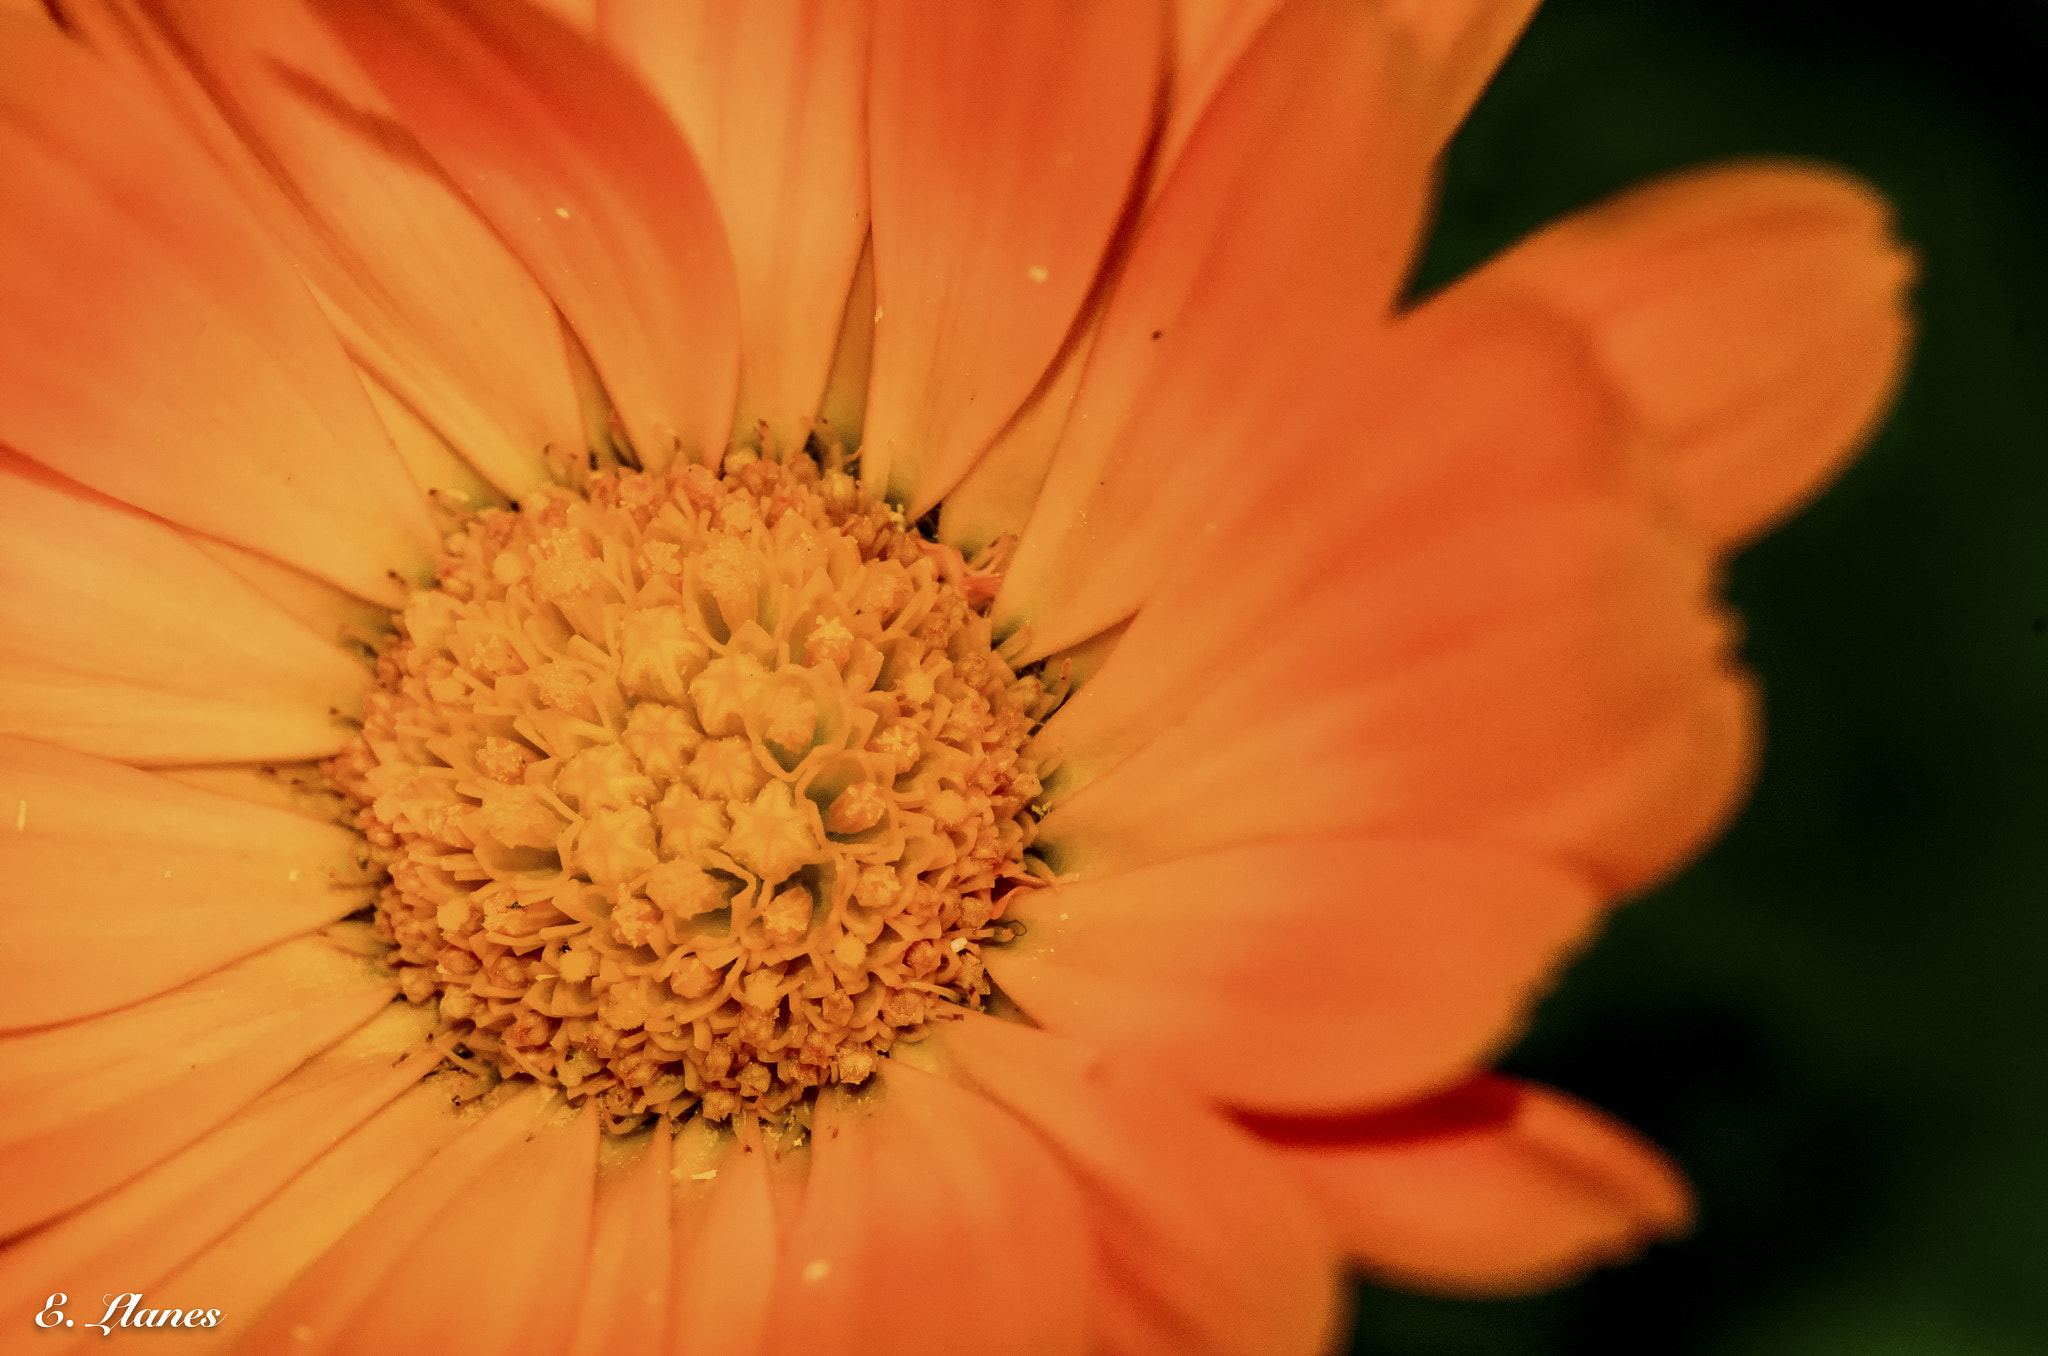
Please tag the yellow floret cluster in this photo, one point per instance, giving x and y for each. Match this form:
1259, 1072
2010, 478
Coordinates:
695, 790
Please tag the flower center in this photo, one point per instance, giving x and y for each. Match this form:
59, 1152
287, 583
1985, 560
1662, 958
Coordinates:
696, 790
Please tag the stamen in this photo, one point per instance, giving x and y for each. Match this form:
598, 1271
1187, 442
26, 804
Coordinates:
696, 791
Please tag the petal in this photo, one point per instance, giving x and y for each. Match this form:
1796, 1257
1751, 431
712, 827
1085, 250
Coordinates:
160, 350
1752, 319
1341, 972
249, 1266
1285, 227
124, 885
1462, 42
1202, 1244
421, 291
726, 1242
1004, 140
1497, 1188
925, 1179
773, 98
97, 1101
589, 182
1473, 683
626, 1284
146, 1230
500, 1217
120, 637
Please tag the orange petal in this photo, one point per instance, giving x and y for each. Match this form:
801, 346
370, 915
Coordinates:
626, 1285
1462, 42
1468, 685
772, 96
123, 884
120, 637
251, 1264
95, 1102
1285, 227
1004, 139
586, 178
500, 1218
1340, 972
1753, 320
161, 350
924, 1179
1202, 1243
1496, 1188
1209, 37
422, 292
143, 1232
725, 1242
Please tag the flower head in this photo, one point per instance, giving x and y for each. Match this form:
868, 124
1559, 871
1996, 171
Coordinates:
808, 675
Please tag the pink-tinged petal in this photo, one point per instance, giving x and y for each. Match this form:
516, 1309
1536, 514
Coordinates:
923, 1178
1282, 232
1004, 143
1495, 1188
123, 884
772, 95
148, 1229
625, 1287
1463, 689
161, 350
1753, 321
95, 1102
1204, 1245
1462, 43
119, 637
500, 1218
252, 1264
421, 291
726, 1241
569, 157
1338, 972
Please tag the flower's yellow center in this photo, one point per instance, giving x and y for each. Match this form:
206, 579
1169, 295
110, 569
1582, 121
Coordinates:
695, 790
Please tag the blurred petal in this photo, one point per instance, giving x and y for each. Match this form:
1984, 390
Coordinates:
924, 1179
1003, 143
1496, 1188
1462, 42
160, 350
773, 97
726, 1242
1333, 973
95, 1102
121, 638
586, 178
1284, 228
1752, 319
124, 885
625, 1291
1203, 1245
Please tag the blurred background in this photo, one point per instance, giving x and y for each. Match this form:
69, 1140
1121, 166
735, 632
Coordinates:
1837, 1021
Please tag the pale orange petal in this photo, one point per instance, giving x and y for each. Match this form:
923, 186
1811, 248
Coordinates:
1462, 42
119, 637
423, 294
500, 1217
93, 1103
1497, 1188
1284, 229
1752, 319
161, 350
921, 1178
1460, 690
1209, 36
1202, 1243
123, 885
1331, 973
1004, 140
726, 1242
590, 183
773, 97
251, 1265
625, 1288
140, 1234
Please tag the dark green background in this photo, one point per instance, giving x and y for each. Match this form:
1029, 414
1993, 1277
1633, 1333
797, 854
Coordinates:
1838, 1020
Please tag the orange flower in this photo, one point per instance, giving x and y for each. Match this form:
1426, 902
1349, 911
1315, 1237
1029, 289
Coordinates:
1390, 635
